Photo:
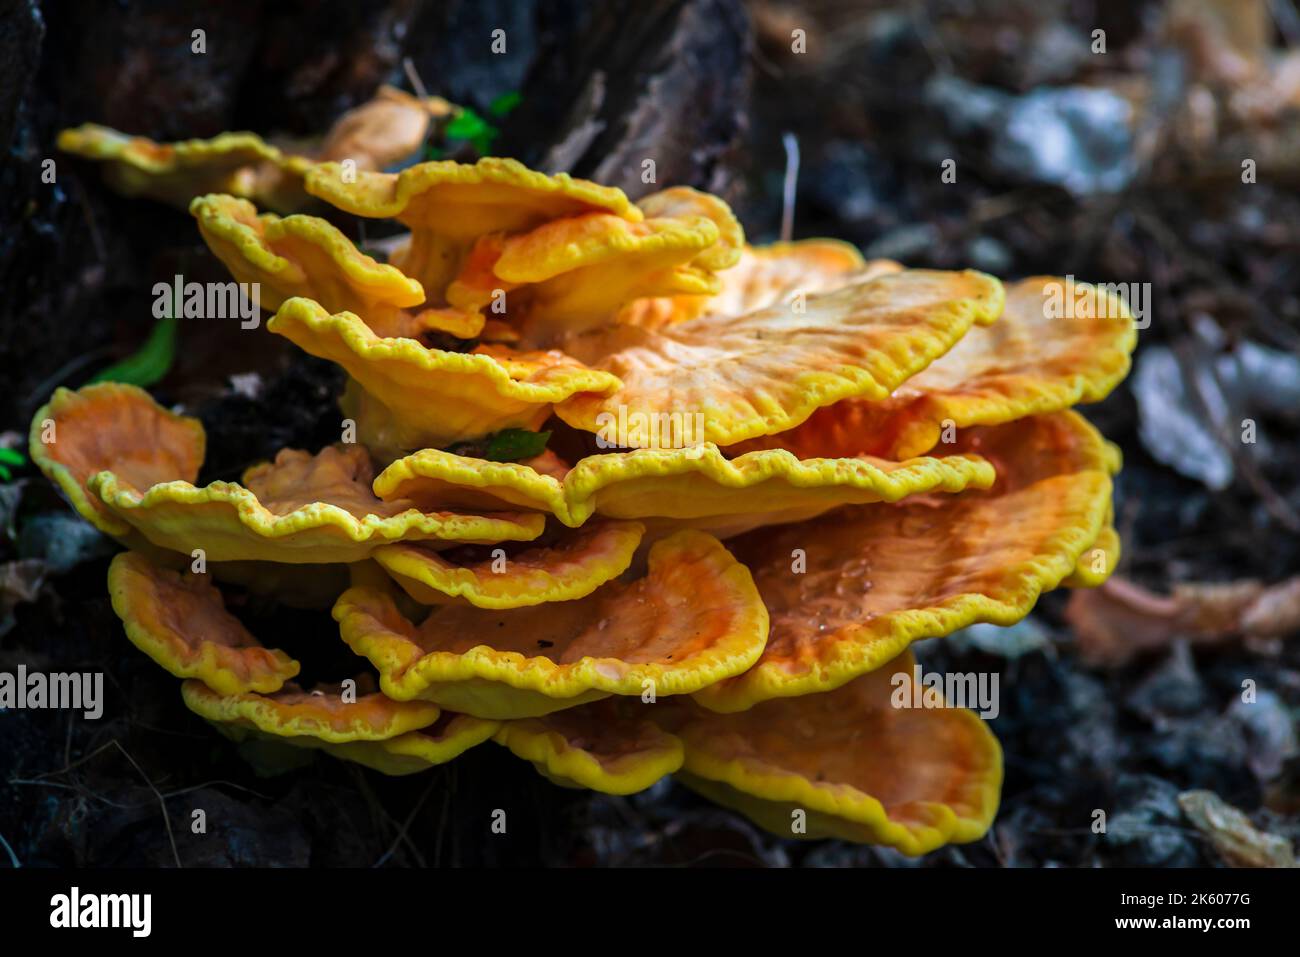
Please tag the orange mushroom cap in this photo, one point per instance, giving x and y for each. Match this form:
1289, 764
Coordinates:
695, 486
305, 256
384, 130
180, 621
693, 618
449, 205
767, 371
416, 397
450, 736
127, 465
1043, 355
606, 746
112, 427
683, 202
764, 276
572, 566
172, 172
846, 593
326, 713
447, 738
576, 273
300, 508
850, 763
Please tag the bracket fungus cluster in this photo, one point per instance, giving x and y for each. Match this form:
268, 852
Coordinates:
846, 457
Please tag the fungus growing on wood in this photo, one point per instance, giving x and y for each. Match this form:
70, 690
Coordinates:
112, 427
180, 621
888, 453
766, 371
1037, 358
693, 618
386, 129
604, 746
426, 397
572, 566
850, 764
860, 596
696, 486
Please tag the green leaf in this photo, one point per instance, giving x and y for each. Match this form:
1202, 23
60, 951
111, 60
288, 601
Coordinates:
5, 474
150, 362
466, 125
12, 457
483, 142
510, 445
504, 103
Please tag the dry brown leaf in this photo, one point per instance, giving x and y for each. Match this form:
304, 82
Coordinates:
1234, 838
1121, 619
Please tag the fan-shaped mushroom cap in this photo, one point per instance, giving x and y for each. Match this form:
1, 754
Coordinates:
694, 486
307, 256
853, 763
323, 714
419, 397
299, 508
570, 565
384, 130
172, 172
847, 592
180, 621
1045, 354
605, 746
576, 273
766, 371
112, 427
693, 618
764, 276
449, 205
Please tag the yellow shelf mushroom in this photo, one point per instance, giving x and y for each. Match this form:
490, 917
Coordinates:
779, 467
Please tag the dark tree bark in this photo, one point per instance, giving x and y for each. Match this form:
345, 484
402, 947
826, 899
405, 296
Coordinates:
661, 80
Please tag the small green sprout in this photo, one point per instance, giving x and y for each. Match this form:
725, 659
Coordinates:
151, 361
10, 457
508, 445
469, 127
